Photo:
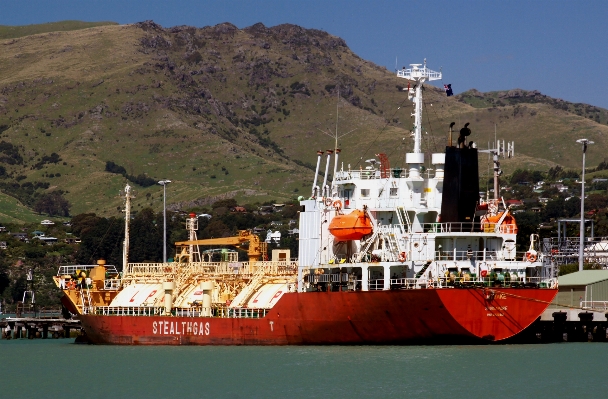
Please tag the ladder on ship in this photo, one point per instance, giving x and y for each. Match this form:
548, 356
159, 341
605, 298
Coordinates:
421, 272
85, 299
367, 245
404, 219
246, 292
392, 245
184, 275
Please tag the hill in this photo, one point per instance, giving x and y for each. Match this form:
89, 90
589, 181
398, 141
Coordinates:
11, 32
231, 113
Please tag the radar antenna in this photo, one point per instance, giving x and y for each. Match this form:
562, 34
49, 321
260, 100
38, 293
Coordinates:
419, 74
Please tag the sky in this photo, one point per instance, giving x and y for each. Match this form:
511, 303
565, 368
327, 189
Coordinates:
557, 47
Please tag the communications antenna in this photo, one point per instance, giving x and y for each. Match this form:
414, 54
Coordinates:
418, 73
127, 194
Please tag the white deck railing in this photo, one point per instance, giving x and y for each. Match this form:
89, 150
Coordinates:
147, 311
72, 269
594, 305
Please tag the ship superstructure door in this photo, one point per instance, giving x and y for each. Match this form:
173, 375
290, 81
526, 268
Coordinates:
422, 248
310, 233
508, 250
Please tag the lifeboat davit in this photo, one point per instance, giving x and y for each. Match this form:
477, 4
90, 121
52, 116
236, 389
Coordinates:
352, 226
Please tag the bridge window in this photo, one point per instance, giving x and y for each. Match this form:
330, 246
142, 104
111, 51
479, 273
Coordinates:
365, 193
394, 191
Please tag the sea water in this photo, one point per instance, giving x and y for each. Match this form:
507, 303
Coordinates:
58, 368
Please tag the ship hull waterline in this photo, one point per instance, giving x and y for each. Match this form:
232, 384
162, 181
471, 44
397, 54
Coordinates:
458, 315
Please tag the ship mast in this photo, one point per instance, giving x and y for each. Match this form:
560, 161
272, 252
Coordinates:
419, 75
127, 194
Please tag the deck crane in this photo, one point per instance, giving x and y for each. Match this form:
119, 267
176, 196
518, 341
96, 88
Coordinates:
255, 250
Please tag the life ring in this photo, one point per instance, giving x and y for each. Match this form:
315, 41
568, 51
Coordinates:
337, 204
402, 257
484, 273
328, 201
71, 285
531, 256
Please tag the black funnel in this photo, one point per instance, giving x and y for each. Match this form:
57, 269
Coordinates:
460, 186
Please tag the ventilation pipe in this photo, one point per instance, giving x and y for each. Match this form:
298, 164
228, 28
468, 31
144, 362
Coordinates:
335, 168
207, 288
168, 286
329, 152
438, 160
315, 188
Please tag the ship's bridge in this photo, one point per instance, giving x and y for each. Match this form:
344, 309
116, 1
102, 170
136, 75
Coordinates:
389, 188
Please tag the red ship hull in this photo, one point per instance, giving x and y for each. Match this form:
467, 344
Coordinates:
338, 318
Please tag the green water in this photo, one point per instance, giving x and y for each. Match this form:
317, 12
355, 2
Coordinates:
61, 369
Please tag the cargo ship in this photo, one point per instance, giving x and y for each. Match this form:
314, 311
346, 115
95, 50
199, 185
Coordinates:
386, 256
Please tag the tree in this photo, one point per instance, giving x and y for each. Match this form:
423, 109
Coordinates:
554, 208
224, 203
572, 207
146, 237
54, 204
101, 238
527, 223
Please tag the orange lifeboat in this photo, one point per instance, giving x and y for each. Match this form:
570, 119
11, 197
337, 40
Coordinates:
352, 226
508, 225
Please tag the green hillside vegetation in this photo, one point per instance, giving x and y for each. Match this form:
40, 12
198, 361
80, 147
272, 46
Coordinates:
12, 32
231, 113
13, 211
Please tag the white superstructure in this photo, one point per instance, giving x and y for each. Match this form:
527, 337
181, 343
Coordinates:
408, 245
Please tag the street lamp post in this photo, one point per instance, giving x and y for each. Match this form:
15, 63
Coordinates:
581, 246
164, 184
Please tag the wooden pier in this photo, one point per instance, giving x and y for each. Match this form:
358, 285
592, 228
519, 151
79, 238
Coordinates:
30, 327
31, 322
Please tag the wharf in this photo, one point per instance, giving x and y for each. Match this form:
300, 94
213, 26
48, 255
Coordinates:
567, 325
35, 327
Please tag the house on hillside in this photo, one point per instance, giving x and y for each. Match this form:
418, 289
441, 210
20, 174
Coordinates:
273, 236
265, 209
238, 209
45, 239
3, 245
47, 222
560, 187
514, 203
2, 229
530, 201
21, 237
276, 223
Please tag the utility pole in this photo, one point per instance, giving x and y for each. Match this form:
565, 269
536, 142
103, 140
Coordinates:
581, 248
164, 184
